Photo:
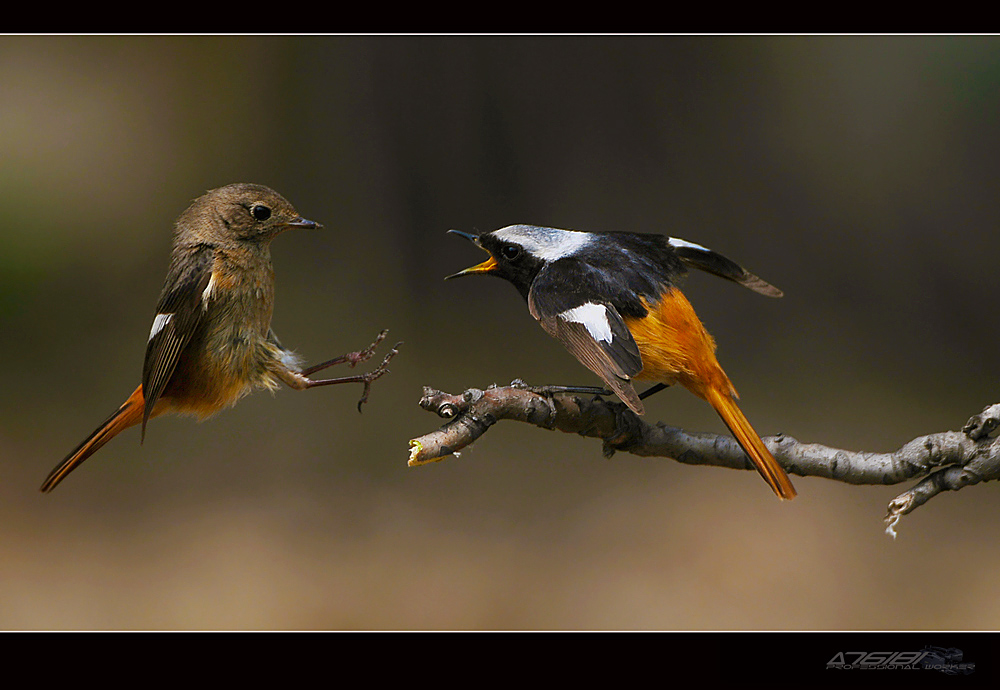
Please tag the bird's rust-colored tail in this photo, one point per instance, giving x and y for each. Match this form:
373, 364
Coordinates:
773, 473
676, 347
129, 414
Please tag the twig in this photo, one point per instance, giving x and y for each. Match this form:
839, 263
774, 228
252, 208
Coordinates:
947, 461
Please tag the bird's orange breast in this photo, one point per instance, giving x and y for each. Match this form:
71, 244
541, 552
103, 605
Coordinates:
676, 347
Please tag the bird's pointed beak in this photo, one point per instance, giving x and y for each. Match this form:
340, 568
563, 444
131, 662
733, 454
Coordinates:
467, 235
301, 222
486, 267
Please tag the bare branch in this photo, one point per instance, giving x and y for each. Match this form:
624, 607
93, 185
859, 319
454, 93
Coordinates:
947, 461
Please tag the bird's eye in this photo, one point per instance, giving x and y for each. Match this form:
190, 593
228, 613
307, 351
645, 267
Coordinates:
260, 212
510, 251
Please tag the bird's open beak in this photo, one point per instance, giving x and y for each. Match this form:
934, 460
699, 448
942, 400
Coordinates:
486, 267
301, 222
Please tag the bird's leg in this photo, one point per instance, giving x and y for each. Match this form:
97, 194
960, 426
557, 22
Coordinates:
582, 390
548, 390
353, 358
653, 389
299, 380
366, 379
586, 390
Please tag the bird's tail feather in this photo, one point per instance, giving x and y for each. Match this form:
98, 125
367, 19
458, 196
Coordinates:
773, 473
129, 414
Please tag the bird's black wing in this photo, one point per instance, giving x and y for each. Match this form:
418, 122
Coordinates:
588, 324
696, 256
180, 309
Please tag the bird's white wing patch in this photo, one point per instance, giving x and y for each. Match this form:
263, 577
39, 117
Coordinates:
594, 318
208, 292
159, 323
677, 242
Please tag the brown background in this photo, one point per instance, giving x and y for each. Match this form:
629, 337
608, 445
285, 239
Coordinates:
859, 174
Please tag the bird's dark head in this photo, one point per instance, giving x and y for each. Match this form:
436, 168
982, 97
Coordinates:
519, 252
241, 212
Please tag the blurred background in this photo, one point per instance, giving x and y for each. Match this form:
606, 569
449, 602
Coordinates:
858, 174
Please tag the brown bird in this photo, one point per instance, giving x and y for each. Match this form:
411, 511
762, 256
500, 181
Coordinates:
211, 342
613, 299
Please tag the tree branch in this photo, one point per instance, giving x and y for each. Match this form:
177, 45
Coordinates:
947, 461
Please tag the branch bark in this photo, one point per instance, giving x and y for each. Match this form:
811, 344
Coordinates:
946, 461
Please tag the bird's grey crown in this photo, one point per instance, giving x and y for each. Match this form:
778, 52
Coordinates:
547, 244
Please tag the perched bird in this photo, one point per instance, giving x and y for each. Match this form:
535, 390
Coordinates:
211, 342
613, 300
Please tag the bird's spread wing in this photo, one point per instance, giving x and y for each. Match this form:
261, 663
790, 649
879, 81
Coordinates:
696, 256
591, 329
180, 309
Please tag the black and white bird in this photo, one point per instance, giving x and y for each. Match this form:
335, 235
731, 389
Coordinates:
613, 299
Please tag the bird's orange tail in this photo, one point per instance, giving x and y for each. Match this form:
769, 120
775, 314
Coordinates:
129, 414
773, 473
675, 347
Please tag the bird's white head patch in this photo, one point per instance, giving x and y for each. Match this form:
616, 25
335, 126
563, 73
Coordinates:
547, 244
